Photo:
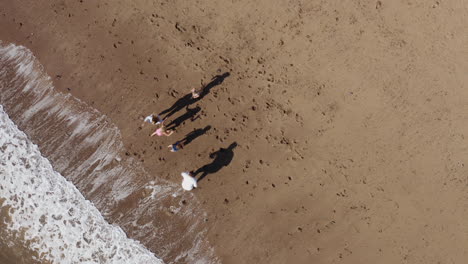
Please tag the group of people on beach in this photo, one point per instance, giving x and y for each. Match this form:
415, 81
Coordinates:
189, 181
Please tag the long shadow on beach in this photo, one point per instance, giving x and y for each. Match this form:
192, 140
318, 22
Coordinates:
221, 158
178, 105
189, 114
194, 134
215, 81
187, 99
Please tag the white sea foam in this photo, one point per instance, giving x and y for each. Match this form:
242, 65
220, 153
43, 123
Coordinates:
86, 148
60, 223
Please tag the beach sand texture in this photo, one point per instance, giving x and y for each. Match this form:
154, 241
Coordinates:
350, 116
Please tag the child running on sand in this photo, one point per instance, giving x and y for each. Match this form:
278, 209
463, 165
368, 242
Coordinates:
189, 182
162, 131
176, 146
153, 120
195, 93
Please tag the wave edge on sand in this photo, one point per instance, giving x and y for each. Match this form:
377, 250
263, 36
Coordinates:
85, 147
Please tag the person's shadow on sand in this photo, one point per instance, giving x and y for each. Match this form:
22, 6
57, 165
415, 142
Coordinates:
178, 105
189, 114
215, 81
187, 99
222, 158
195, 134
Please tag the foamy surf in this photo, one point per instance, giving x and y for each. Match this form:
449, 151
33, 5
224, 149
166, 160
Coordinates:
85, 147
57, 221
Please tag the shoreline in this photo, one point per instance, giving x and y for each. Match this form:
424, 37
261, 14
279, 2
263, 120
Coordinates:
86, 148
348, 116
63, 212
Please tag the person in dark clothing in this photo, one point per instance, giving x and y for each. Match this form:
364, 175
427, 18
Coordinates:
188, 139
176, 146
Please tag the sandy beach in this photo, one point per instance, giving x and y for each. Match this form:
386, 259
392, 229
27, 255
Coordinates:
348, 116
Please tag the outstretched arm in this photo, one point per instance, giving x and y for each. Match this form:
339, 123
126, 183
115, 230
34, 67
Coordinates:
168, 134
193, 118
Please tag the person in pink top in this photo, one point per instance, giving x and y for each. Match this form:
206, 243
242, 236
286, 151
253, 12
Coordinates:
162, 131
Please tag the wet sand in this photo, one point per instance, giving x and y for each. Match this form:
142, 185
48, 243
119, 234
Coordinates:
349, 116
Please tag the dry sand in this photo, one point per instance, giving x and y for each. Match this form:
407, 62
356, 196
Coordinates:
349, 115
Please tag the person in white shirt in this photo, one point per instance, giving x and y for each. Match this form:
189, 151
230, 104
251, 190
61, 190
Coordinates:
189, 182
152, 119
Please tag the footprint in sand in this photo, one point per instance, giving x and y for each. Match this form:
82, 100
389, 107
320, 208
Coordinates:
378, 5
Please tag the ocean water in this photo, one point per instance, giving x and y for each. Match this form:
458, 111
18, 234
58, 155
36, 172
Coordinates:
57, 221
64, 177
